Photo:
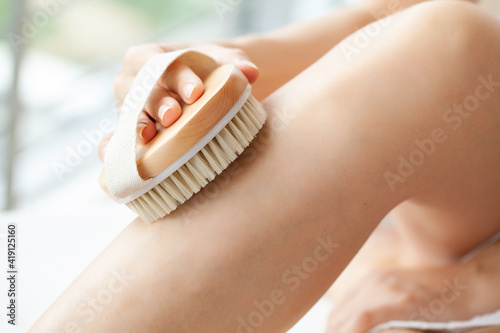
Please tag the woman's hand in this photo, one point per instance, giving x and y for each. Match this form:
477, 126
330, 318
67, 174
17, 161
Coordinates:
179, 84
454, 292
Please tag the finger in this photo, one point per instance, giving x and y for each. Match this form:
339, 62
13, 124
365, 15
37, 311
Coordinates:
146, 129
101, 147
366, 319
359, 323
248, 68
162, 107
239, 59
184, 82
362, 311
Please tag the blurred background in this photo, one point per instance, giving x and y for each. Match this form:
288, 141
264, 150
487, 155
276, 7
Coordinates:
58, 59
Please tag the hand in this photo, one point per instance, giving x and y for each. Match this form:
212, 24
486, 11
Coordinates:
179, 84
454, 292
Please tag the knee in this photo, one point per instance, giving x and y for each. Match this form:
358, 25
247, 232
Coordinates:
461, 15
447, 30
459, 26
457, 39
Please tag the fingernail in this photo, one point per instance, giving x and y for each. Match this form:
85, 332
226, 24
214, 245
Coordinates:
188, 90
249, 64
140, 130
162, 111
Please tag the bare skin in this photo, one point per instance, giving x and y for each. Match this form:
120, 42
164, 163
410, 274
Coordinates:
458, 291
294, 48
313, 186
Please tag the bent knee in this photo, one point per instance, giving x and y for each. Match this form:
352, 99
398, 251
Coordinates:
459, 25
446, 13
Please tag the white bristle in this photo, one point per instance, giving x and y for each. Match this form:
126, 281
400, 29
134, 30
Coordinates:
212, 160
238, 135
142, 205
181, 186
198, 177
229, 144
219, 155
156, 196
189, 179
202, 167
167, 198
201, 164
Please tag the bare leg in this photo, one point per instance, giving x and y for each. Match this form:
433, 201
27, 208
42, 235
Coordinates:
283, 228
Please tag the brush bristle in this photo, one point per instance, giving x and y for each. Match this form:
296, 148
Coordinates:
202, 167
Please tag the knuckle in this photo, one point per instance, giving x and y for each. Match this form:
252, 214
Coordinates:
407, 299
381, 277
239, 53
131, 52
366, 318
172, 46
228, 53
137, 50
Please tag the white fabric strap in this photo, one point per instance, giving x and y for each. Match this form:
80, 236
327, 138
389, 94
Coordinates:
487, 320
122, 176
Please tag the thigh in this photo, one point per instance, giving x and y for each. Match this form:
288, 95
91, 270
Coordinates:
433, 83
459, 206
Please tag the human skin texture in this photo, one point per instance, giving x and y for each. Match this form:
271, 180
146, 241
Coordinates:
453, 292
282, 222
293, 49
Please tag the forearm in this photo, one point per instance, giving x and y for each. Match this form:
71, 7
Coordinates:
282, 54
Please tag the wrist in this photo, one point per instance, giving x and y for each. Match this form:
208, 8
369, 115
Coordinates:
245, 42
272, 58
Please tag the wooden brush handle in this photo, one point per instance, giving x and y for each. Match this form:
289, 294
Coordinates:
224, 86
